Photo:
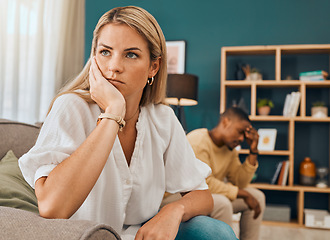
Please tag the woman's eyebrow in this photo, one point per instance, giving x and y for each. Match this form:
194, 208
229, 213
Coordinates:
103, 45
133, 49
126, 50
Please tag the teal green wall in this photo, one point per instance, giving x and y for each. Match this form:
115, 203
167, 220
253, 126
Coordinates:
207, 26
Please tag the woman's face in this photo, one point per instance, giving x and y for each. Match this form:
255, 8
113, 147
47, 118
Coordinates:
123, 57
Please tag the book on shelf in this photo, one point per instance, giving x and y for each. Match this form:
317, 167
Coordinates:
312, 78
318, 75
277, 172
283, 177
291, 104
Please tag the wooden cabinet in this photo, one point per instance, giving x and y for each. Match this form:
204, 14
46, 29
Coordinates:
276, 82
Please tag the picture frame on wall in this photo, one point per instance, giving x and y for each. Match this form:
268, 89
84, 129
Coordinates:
176, 54
267, 139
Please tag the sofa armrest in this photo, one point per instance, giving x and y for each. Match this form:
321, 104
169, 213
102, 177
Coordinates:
20, 224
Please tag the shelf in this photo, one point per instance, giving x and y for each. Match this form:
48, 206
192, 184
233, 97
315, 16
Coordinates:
270, 118
295, 188
277, 84
275, 153
284, 49
250, 50
292, 223
255, 87
276, 118
306, 49
311, 119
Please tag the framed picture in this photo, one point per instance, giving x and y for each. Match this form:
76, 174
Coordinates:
176, 53
267, 139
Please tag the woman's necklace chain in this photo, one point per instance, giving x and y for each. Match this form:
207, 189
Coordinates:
133, 114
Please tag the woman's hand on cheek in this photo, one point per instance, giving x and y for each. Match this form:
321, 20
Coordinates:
164, 225
104, 93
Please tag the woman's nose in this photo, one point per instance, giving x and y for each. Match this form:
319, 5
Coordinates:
115, 64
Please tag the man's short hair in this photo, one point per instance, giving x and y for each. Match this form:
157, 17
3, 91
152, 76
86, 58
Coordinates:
235, 112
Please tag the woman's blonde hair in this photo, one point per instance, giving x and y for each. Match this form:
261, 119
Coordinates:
146, 25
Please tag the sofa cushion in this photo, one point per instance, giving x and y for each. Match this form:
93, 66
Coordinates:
14, 190
16, 136
20, 224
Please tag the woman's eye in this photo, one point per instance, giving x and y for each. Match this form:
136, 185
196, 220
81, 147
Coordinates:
131, 55
105, 53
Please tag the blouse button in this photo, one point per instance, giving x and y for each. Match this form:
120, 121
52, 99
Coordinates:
128, 181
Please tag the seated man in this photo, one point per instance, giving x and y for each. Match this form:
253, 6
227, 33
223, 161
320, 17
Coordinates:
216, 148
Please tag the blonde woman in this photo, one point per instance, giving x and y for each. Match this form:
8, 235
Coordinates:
116, 172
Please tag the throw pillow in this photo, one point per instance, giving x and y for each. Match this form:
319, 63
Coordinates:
14, 190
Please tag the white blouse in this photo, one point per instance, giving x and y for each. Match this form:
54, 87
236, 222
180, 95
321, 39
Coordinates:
123, 196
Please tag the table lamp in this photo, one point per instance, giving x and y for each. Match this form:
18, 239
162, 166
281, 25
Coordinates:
182, 91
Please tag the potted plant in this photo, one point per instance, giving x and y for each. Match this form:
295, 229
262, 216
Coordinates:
319, 110
264, 106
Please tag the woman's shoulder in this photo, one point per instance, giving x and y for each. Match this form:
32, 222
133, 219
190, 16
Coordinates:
73, 103
72, 97
162, 117
160, 111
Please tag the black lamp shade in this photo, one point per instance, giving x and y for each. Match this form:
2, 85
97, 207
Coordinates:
182, 89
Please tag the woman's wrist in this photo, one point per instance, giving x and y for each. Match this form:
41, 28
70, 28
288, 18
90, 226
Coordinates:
176, 208
117, 110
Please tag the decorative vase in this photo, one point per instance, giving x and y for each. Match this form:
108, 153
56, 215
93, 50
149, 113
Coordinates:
240, 75
322, 173
307, 172
255, 76
264, 110
319, 112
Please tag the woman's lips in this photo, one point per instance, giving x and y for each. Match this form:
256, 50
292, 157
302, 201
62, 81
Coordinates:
115, 81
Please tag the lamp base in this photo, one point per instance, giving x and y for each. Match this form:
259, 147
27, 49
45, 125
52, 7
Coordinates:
179, 112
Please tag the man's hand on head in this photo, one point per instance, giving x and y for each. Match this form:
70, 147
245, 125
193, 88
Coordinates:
252, 138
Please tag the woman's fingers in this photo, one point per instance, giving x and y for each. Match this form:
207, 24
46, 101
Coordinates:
96, 71
102, 91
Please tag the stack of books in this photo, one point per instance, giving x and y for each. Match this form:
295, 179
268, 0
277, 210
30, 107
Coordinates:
291, 104
281, 173
319, 75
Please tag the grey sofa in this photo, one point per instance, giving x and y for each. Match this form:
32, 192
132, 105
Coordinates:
19, 217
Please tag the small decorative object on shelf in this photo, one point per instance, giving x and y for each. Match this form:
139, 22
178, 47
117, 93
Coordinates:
240, 75
307, 172
322, 179
267, 139
277, 212
319, 110
316, 218
252, 74
264, 106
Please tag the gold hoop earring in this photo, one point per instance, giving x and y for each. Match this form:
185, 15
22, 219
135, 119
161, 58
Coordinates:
150, 81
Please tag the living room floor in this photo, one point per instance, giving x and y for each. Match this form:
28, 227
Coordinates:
268, 232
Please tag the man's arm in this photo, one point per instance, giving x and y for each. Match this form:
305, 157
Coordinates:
252, 203
252, 138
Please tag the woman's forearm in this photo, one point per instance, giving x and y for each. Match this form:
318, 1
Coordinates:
67, 186
198, 202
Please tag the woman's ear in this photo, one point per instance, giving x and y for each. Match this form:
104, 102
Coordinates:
154, 67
